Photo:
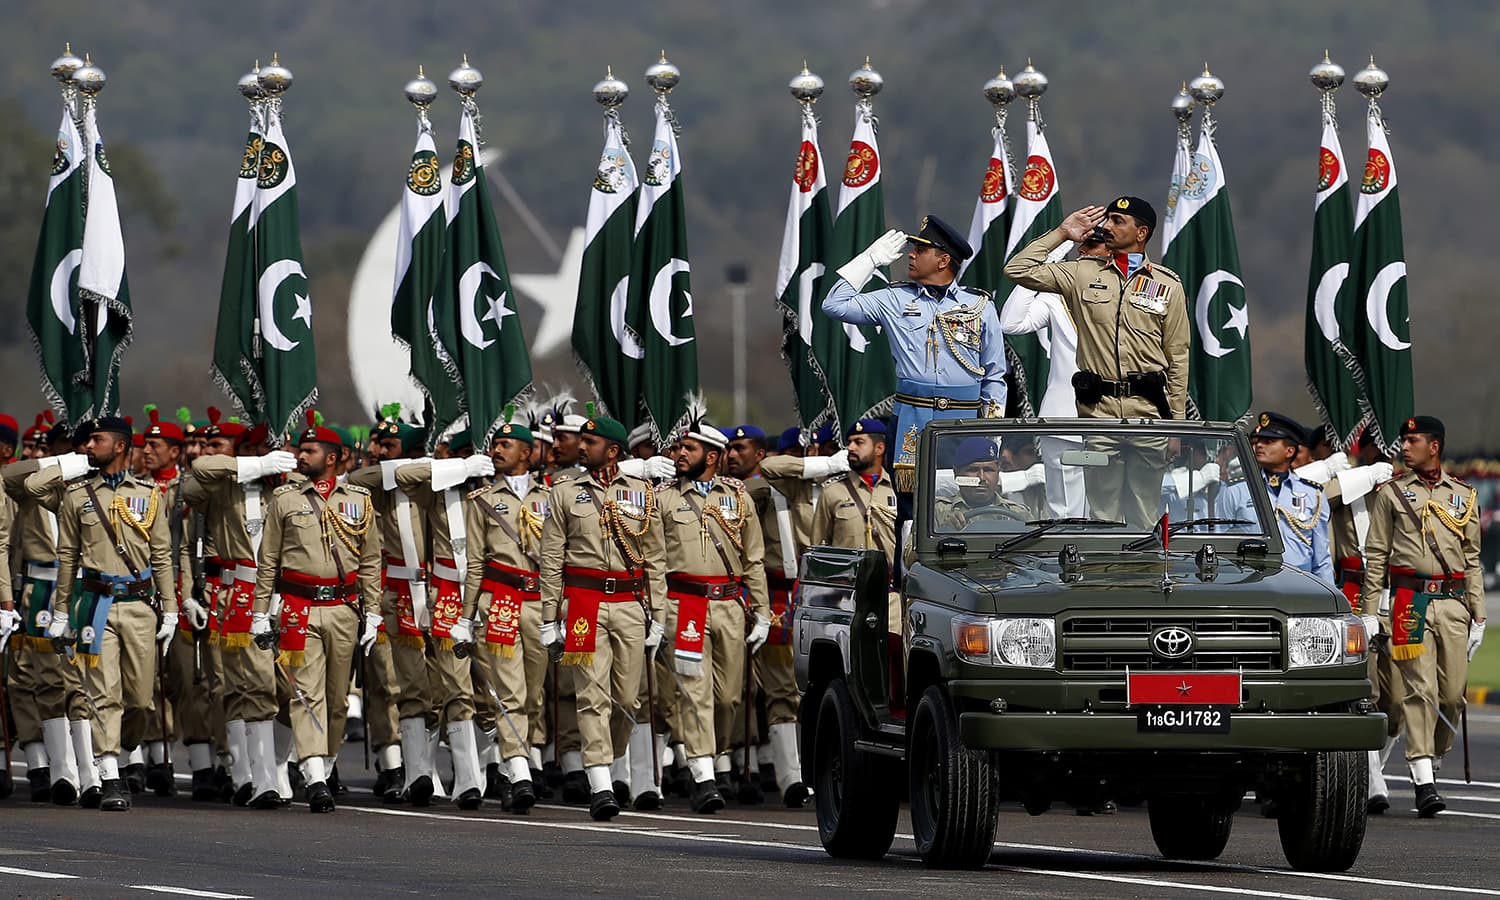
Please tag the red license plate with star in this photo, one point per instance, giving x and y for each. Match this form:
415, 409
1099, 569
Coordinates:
1183, 702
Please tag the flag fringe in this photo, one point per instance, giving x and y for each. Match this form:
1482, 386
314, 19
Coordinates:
1345, 356
49, 390
112, 371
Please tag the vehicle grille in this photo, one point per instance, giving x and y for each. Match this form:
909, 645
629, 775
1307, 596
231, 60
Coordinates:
1096, 644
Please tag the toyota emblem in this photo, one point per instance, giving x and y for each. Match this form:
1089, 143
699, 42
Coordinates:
1172, 642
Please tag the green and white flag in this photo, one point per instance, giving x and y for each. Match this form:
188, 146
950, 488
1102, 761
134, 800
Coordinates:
989, 232
800, 284
1038, 210
607, 342
283, 311
1334, 377
102, 288
52, 309
235, 365
419, 259
1382, 337
1205, 256
474, 308
856, 360
660, 284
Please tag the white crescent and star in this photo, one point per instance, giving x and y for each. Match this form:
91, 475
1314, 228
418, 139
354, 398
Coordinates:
1327, 292
805, 300
661, 302
469, 296
265, 295
1238, 319
1377, 305
630, 343
62, 278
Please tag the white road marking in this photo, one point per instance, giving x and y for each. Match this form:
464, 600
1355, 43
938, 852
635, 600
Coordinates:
1471, 815
1156, 882
186, 892
32, 873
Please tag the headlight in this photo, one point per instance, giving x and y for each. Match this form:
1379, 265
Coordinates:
1325, 641
1025, 643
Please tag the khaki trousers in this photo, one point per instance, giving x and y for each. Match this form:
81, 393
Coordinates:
123, 683
711, 701
379, 694
1436, 680
1128, 489
518, 681
249, 676
332, 632
197, 708
608, 687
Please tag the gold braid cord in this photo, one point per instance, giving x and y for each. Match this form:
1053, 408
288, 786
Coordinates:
617, 529
884, 512
120, 512
531, 528
1304, 533
1433, 508
348, 535
950, 324
742, 500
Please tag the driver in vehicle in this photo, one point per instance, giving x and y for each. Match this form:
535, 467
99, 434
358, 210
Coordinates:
976, 470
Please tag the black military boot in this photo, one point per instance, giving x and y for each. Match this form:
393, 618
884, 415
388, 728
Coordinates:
1429, 801
64, 793
334, 784
706, 798
495, 784
539, 785
382, 776
522, 797
265, 799
575, 788
603, 806
204, 790
244, 794
135, 778
395, 784
225, 785
294, 778
113, 797
41, 784
91, 797
319, 797
749, 792
419, 792
646, 801
622, 793
161, 780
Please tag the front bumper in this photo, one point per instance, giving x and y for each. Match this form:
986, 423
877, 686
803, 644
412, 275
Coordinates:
1117, 731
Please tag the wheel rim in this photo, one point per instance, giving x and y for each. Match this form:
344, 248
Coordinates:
926, 766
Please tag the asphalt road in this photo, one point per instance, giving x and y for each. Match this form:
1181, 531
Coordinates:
175, 846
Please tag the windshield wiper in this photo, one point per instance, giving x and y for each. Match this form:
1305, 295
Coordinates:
1042, 527
1175, 527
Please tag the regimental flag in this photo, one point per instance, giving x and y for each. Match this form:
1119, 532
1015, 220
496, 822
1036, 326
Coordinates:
856, 360
1334, 377
1204, 254
419, 259
474, 308
989, 231
236, 365
800, 284
660, 286
1038, 210
103, 292
607, 343
283, 310
52, 309
1377, 277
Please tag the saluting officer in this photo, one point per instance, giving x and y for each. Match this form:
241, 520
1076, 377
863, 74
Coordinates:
1299, 506
1423, 545
946, 339
858, 508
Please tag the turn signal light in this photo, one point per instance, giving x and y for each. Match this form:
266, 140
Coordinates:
973, 639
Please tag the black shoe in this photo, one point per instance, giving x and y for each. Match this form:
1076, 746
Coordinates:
204, 790
319, 797
749, 792
767, 773
522, 798
382, 778
622, 793
395, 784
706, 798
603, 806
553, 773
470, 799
91, 797
354, 731
679, 781
539, 785
1378, 804
795, 796
7, 785
1429, 802
162, 780
334, 784
135, 777
494, 784
41, 784
113, 797
575, 788
242, 796
294, 778
721, 782
64, 793
1107, 808
224, 784
266, 800
419, 792
647, 800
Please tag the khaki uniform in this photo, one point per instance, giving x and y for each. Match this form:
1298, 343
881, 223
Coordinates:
842, 521
319, 541
1396, 551
712, 662
1125, 326
119, 645
576, 546
784, 473
773, 664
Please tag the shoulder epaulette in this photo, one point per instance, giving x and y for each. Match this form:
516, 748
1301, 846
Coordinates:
285, 488
980, 291
76, 484
1155, 266
1309, 481
732, 482
476, 492
1457, 480
902, 284
357, 488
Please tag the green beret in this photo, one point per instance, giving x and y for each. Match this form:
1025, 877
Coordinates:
461, 441
609, 429
517, 431
412, 437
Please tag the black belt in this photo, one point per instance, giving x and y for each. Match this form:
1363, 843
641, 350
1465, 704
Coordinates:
120, 590
713, 590
935, 402
1439, 584
608, 585
323, 592
530, 583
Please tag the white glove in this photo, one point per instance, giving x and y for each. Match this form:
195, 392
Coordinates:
461, 632
1372, 626
816, 468
58, 627
254, 468
260, 623
1013, 482
654, 634
197, 613
758, 634
886, 250
655, 468
945, 484
1209, 474
551, 634
1476, 637
10, 623
165, 632
372, 630
478, 466
1036, 475
73, 465
1357, 482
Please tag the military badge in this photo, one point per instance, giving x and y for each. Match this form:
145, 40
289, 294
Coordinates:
728, 507
43, 618
351, 511
1039, 179
862, 165
992, 188
1328, 169
806, 174
64, 155
463, 163
615, 171
659, 164
1377, 173
424, 176
581, 497
250, 162
137, 507
101, 159
274, 164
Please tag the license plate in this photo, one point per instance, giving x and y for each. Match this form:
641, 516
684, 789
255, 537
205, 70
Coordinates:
1183, 720
1183, 688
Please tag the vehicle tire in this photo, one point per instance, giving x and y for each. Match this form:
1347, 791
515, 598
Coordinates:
955, 790
1188, 827
1322, 820
856, 793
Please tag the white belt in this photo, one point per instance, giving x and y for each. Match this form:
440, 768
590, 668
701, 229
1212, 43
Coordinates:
457, 535
235, 574
784, 530
403, 573
255, 517
447, 573
40, 572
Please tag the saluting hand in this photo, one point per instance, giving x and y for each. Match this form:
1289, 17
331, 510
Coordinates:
1080, 223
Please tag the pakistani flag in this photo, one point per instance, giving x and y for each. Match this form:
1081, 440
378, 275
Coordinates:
988, 232
660, 285
1333, 375
52, 309
419, 258
1038, 211
1205, 256
473, 302
283, 311
856, 360
1382, 336
606, 342
799, 276
235, 364
102, 289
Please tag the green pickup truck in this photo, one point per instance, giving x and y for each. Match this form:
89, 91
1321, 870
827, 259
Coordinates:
1041, 647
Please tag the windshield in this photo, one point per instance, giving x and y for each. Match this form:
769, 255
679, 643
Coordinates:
1099, 479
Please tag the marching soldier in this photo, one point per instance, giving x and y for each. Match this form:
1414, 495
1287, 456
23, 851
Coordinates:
1132, 357
1423, 545
321, 556
602, 555
946, 339
114, 550
1300, 508
858, 508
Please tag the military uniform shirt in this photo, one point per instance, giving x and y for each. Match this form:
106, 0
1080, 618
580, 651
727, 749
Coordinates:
574, 536
690, 550
1301, 513
83, 544
296, 540
1394, 539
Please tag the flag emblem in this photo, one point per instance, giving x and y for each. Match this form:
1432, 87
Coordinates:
806, 173
101, 159
64, 155
1038, 180
861, 166
992, 188
1377, 172
613, 175
250, 162
273, 167
463, 163
1328, 169
1201, 177
659, 164
423, 178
